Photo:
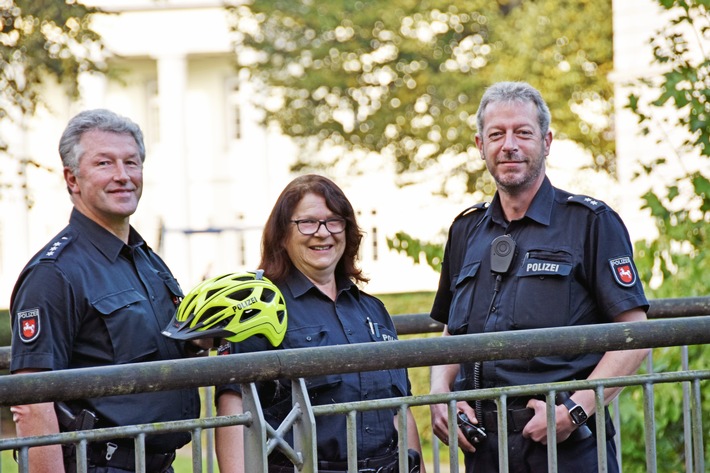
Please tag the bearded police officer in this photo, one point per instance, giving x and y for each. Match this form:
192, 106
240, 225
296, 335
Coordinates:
536, 257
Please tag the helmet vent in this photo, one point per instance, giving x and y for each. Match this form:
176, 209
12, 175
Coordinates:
267, 295
211, 311
248, 314
240, 295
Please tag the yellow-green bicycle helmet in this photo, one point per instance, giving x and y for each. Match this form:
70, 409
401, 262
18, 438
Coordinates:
233, 306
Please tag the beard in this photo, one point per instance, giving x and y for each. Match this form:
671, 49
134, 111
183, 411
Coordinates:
514, 183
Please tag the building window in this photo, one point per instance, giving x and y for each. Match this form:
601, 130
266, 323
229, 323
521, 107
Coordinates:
233, 110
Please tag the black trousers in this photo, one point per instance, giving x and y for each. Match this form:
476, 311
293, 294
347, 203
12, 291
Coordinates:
527, 456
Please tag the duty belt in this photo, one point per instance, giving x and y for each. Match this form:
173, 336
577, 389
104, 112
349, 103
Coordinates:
517, 418
120, 456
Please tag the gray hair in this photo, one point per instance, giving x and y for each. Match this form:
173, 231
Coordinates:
520, 92
70, 149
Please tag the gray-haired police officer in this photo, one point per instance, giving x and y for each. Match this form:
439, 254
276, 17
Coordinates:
537, 257
97, 295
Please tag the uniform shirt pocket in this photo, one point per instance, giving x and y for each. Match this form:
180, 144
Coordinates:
123, 314
463, 289
543, 292
173, 287
308, 337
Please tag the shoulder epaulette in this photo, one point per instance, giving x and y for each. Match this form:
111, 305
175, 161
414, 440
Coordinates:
472, 209
53, 250
589, 202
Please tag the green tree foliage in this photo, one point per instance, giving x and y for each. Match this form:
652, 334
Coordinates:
403, 78
678, 259
680, 256
41, 42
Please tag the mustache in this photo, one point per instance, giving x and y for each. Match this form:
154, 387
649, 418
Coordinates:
510, 157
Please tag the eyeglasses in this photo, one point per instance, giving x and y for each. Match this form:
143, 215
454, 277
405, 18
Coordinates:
310, 226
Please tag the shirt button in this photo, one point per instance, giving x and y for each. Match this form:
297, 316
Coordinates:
493, 309
308, 338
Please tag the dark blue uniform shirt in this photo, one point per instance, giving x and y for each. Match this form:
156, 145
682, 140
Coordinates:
314, 320
572, 266
87, 299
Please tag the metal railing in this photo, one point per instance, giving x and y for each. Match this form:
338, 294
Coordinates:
679, 330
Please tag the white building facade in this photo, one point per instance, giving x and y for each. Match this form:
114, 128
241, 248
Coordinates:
212, 173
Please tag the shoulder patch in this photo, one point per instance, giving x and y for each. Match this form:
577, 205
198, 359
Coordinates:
589, 202
28, 325
623, 270
53, 250
472, 209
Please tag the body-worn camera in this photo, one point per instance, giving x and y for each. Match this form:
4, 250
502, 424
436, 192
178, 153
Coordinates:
473, 433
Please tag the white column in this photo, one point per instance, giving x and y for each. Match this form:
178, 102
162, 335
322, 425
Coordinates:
170, 172
92, 87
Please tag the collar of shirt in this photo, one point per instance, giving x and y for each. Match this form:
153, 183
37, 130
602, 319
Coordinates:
299, 284
105, 241
540, 209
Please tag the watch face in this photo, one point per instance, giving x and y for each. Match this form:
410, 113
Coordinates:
578, 415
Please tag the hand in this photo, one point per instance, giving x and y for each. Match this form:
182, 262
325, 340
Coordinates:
536, 428
440, 423
199, 347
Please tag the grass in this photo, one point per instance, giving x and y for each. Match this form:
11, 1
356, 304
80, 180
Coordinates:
9, 465
407, 303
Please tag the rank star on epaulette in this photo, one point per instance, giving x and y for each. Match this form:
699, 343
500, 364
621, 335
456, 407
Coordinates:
55, 246
591, 201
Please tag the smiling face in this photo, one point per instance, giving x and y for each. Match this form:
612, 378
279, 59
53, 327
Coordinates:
513, 146
109, 181
317, 255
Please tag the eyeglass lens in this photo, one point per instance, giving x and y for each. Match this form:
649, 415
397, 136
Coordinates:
310, 226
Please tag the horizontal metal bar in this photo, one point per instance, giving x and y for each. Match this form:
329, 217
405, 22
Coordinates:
411, 324
108, 433
511, 391
304, 362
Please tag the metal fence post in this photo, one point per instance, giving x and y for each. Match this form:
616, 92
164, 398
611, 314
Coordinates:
255, 454
650, 425
304, 430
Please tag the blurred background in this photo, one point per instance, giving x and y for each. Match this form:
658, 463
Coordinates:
236, 98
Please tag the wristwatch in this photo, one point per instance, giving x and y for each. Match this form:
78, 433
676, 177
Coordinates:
576, 412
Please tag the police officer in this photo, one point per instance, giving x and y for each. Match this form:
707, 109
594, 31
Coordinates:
97, 295
310, 247
537, 257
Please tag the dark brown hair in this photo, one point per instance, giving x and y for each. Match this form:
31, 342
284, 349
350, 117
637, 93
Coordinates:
274, 259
